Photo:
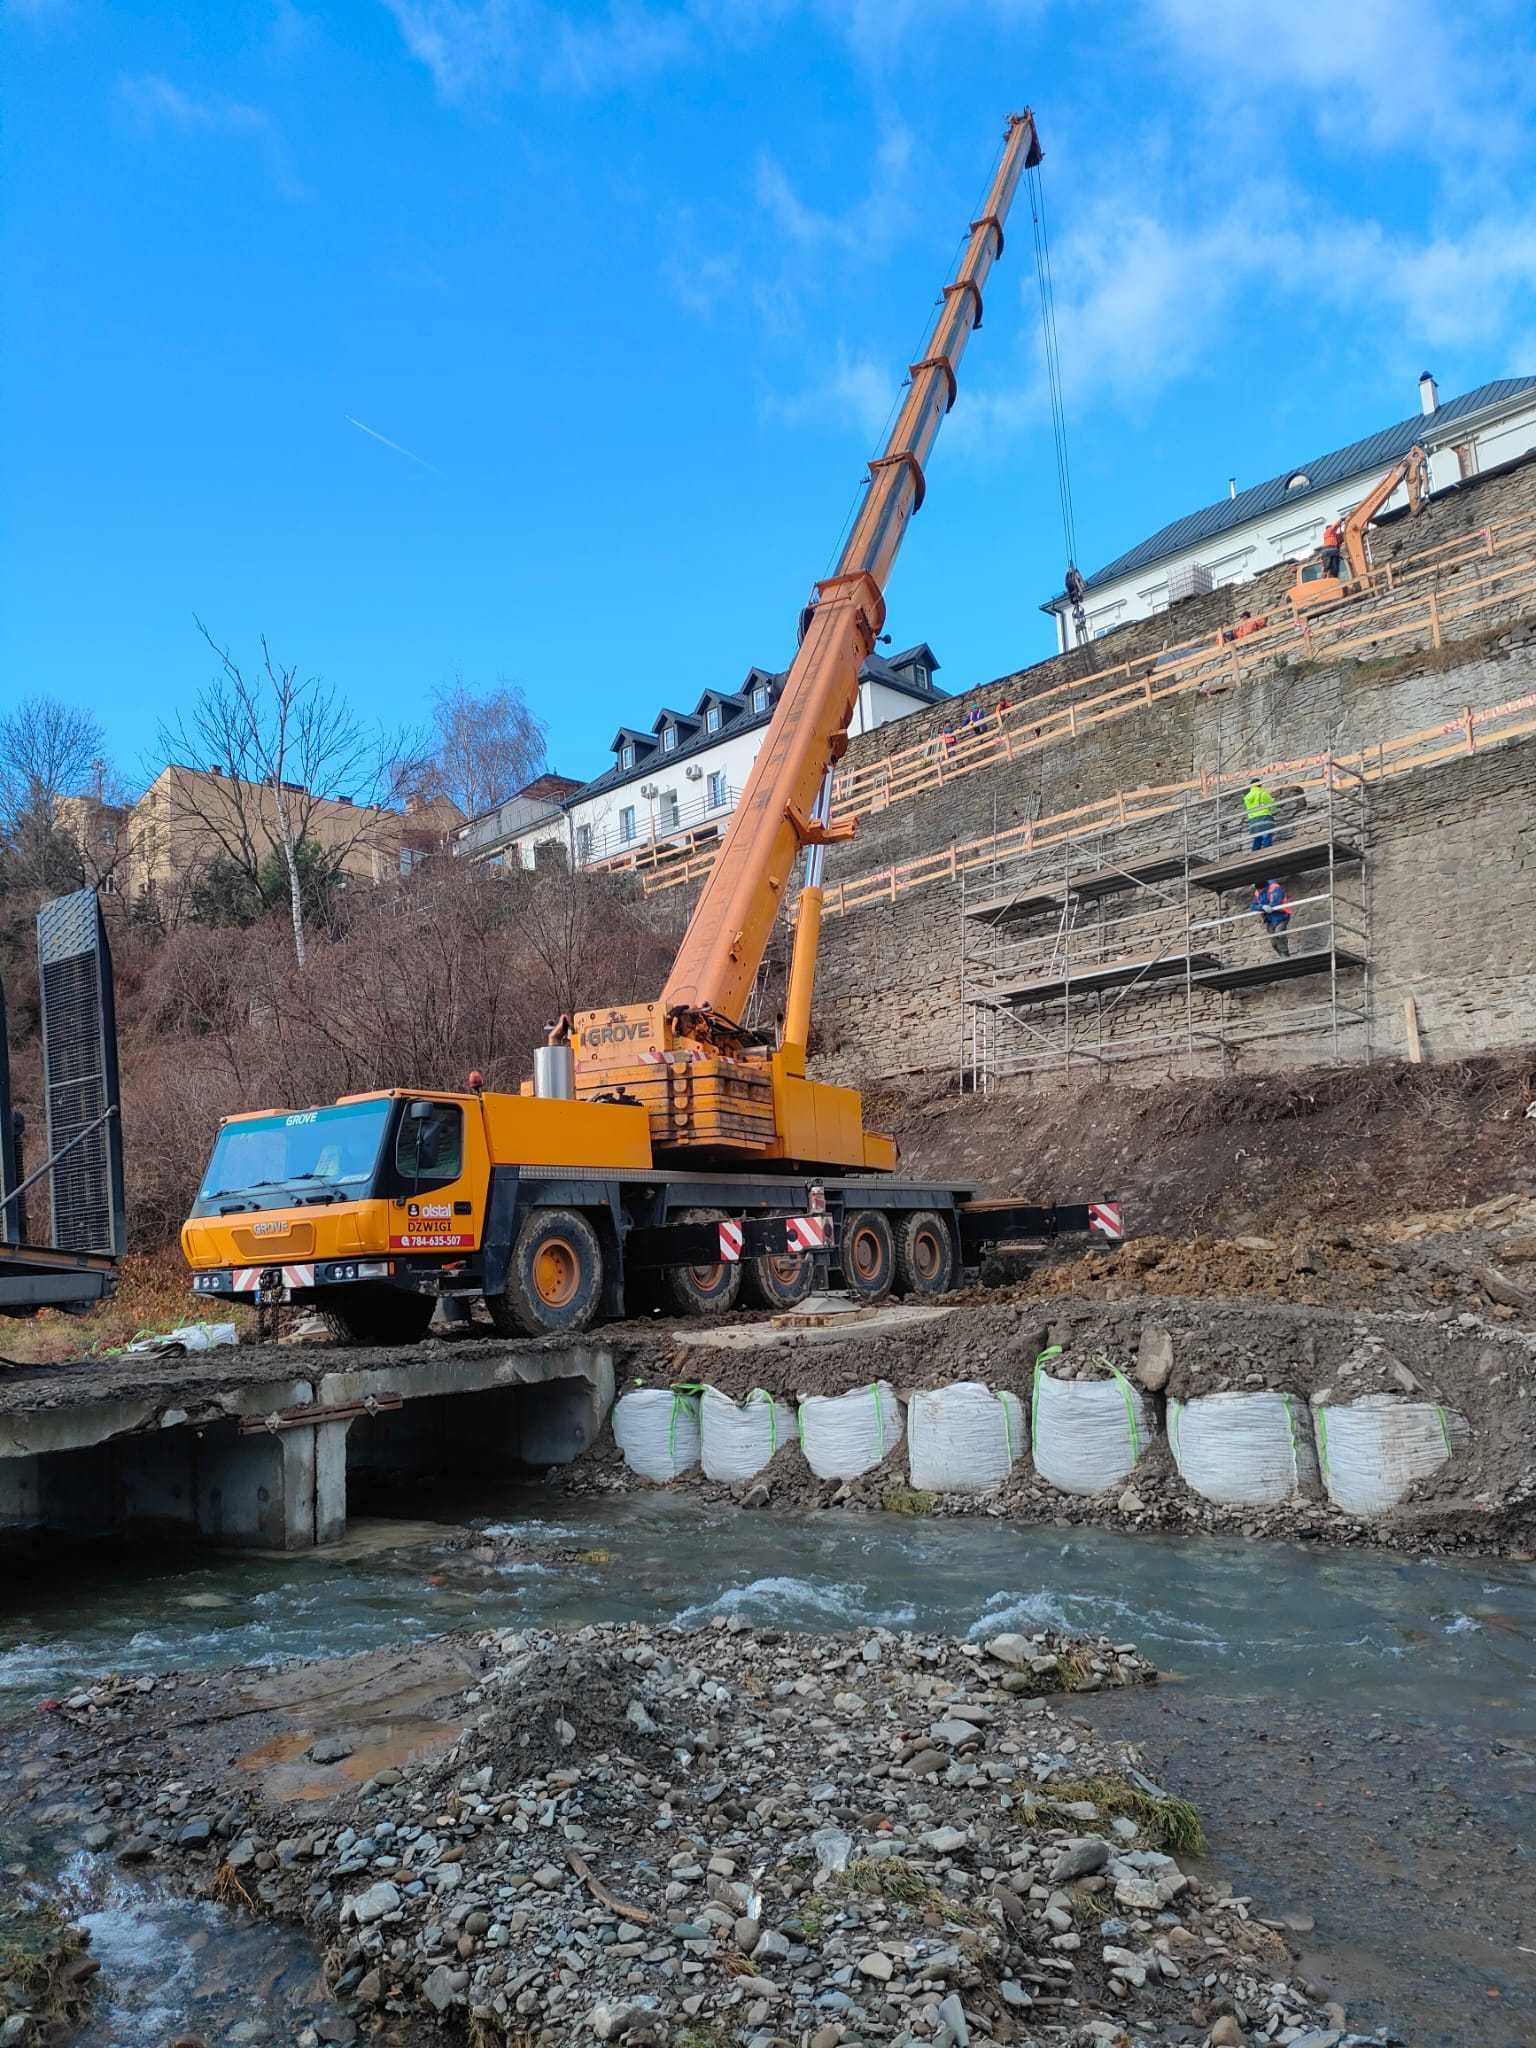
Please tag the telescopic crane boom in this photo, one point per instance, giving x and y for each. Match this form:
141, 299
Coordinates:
688, 1056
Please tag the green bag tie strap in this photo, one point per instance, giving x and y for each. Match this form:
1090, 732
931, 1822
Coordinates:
874, 1388
1321, 1419
1175, 1419
1130, 1407
683, 1391
1290, 1416
1445, 1429
1002, 1402
762, 1394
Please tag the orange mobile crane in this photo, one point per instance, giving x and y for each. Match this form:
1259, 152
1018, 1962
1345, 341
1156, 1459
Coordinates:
663, 1140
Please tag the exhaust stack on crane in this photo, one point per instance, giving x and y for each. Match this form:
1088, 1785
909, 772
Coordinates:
551, 1209
707, 1087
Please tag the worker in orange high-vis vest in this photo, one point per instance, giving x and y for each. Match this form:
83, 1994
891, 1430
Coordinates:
1271, 903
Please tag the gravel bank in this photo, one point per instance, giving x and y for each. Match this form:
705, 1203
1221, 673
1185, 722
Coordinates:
692, 1839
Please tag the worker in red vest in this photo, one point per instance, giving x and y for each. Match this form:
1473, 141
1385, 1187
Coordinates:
1269, 901
1333, 538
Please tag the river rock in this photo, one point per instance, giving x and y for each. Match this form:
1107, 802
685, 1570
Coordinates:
945, 1841
878, 1966
1080, 1858
1012, 1650
374, 1903
330, 1749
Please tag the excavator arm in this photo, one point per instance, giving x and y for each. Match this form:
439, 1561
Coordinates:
1413, 471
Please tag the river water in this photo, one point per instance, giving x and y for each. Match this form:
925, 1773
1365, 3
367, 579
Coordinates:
1420, 1669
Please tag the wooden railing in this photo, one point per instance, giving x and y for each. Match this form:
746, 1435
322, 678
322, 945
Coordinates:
1466, 734
1503, 556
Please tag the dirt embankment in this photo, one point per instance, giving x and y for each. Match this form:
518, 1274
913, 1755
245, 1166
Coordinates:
1354, 1147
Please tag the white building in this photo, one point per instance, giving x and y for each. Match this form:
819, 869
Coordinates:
680, 777
1283, 520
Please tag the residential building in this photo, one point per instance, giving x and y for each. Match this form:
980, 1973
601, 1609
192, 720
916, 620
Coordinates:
189, 817
510, 830
680, 777
1282, 520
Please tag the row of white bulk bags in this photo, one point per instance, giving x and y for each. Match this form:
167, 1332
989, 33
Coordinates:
843, 1435
1087, 1435
1375, 1449
657, 1429
1243, 1450
737, 1438
963, 1439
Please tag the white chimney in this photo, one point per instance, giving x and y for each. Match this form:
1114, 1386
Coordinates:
1231, 486
1429, 394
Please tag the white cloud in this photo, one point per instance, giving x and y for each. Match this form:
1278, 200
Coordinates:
629, 42
1372, 73
856, 392
157, 103
461, 42
870, 225
491, 45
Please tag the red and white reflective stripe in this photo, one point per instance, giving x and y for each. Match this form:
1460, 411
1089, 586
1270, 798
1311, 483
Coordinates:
298, 1276
247, 1279
730, 1242
1106, 1218
806, 1233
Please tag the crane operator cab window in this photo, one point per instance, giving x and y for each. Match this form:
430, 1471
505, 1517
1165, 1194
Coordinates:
429, 1150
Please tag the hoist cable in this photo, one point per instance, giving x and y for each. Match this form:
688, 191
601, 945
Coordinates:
1051, 352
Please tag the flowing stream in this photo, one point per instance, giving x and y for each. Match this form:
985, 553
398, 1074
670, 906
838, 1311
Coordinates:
1440, 1653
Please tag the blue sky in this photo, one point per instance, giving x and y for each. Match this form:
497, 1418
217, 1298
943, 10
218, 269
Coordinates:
633, 284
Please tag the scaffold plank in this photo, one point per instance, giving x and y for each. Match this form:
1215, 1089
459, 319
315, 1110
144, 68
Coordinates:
1285, 859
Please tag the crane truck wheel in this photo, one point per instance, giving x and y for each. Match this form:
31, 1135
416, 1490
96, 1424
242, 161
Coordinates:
925, 1254
384, 1315
772, 1281
703, 1290
869, 1254
554, 1277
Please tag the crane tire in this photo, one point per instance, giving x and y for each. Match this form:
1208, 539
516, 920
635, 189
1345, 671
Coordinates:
554, 1277
925, 1254
868, 1254
777, 1281
702, 1290
379, 1315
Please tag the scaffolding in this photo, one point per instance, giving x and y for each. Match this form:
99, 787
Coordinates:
1143, 941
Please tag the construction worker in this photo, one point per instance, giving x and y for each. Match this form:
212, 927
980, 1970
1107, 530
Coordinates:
1269, 901
1259, 813
1333, 540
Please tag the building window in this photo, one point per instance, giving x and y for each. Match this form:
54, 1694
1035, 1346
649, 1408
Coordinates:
626, 757
1298, 480
667, 810
919, 675
583, 844
760, 697
716, 789
713, 718
626, 825
669, 739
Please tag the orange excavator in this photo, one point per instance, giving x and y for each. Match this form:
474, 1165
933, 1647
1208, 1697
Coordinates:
1318, 581
664, 1147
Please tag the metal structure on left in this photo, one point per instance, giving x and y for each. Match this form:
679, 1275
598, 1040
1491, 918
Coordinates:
83, 1161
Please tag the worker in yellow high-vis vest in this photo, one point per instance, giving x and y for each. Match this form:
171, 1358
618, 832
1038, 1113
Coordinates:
1259, 813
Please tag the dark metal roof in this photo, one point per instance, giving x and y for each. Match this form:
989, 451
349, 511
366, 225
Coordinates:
873, 669
1375, 452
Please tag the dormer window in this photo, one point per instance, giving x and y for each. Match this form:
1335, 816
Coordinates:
919, 675
1298, 480
713, 718
669, 739
760, 697
626, 757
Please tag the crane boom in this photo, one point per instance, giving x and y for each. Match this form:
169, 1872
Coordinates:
732, 922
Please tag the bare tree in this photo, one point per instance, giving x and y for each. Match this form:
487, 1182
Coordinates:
267, 765
48, 752
488, 745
